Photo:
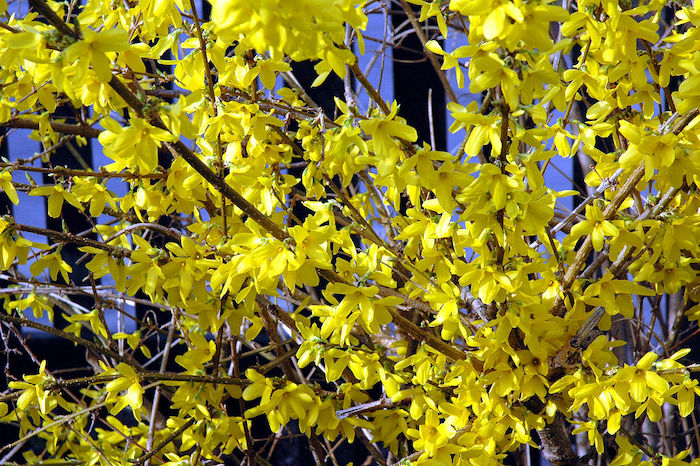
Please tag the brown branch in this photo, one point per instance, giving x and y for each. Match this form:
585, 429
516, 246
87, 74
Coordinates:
235, 361
65, 128
129, 97
166, 93
502, 162
74, 239
53, 18
421, 335
205, 58
371, 91
371, 406
60, 333
282, 358
9, 28
63, 171
239, 201
556, 446
143, 376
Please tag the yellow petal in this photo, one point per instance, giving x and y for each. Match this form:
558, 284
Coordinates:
494, 24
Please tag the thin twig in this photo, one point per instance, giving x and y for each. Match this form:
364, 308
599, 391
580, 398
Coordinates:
431, 56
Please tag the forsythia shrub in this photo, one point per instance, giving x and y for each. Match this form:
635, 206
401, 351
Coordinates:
442, 307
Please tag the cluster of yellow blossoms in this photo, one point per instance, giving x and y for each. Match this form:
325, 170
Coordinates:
448, 280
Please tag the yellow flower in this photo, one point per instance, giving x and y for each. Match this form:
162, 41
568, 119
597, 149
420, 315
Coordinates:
596, 226
56, 196
135, 146
6, 186
431, 434
92, 51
